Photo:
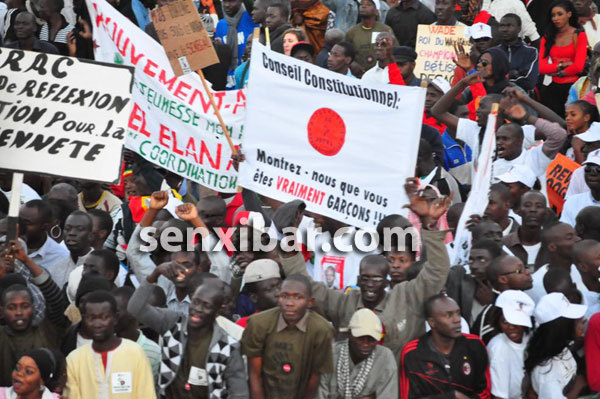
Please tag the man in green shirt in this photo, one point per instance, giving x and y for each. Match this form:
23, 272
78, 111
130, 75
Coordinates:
363, 35
288, 347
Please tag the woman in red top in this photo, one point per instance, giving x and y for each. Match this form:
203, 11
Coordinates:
563, 51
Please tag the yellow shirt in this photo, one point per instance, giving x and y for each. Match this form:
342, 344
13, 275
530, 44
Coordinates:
128, 374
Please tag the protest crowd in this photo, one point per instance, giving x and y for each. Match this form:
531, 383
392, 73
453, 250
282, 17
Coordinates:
163, 283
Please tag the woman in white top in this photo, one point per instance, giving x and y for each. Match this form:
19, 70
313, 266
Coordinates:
549, 362
506, 350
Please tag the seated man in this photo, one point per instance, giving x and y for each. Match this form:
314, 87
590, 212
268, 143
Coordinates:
444, 361
361, 366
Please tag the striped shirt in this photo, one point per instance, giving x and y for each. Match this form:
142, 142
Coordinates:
60, 40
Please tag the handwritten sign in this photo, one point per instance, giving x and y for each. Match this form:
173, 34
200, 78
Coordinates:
435, 50
55, 120
183, 36
558, 176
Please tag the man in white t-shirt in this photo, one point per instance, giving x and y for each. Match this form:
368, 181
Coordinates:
525, 242
558, 241
577, 202
510, 137
586, 256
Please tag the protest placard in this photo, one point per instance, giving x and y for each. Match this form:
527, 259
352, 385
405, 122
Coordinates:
183, 36
558, 176
172, 123
56, 119
343, 146
435, 50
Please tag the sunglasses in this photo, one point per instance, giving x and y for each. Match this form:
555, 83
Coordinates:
592, 169
483, 63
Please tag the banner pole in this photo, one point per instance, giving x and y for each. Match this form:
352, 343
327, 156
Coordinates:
219, 117
267, 37
13, 207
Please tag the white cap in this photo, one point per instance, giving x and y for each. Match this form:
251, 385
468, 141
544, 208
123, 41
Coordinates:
519, 174
479, 31
365, 322
517, 307
555, 305
442, 84
590, 135
261, 270
593, 157
377, 4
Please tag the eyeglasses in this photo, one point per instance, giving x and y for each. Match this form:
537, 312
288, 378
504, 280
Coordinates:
483, 63
518, 271
592, 169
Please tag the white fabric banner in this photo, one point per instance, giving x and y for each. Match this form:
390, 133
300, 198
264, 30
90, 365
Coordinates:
58, 120
172, 123
478, 198
343, 146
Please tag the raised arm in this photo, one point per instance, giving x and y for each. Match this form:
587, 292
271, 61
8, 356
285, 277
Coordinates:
440, 110
159, 319
433, 276
56, 301
543, 111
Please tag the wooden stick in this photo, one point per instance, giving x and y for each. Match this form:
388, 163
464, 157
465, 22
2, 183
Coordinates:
13, 207
267, 36
219, 117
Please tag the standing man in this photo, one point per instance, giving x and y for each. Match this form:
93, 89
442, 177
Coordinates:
444, 362
78, 234
312, 17
362, 368
525, 243
444, 13
398, 308
25, 31
288, 347
340, 58
199, 358
379, 73
277, 18
35, 219
577, 202
364, 34
558, 241
404, 19
523, 59
110, 367
332, 37
233, 30
498, 208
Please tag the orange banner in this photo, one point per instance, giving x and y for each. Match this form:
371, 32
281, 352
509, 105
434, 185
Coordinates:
558, 176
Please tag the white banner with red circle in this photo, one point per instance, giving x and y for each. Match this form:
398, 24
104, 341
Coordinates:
343, 146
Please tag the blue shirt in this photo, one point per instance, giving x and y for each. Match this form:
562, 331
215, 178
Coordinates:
141, 13
245, 28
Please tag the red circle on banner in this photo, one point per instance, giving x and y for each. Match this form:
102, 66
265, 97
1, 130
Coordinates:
326, 131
